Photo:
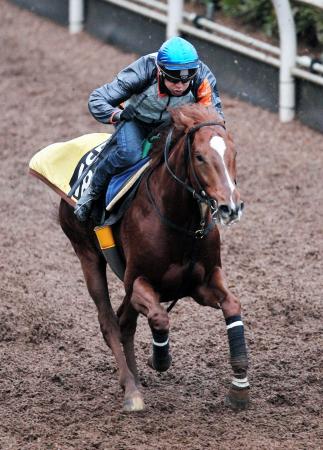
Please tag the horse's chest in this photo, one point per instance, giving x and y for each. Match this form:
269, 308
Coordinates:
182, 278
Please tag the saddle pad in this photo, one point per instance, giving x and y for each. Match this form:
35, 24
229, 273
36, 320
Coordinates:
60, 164
120, 184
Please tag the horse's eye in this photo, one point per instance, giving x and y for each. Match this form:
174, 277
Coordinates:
200, 158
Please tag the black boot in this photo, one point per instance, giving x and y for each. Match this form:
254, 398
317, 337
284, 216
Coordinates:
85, 204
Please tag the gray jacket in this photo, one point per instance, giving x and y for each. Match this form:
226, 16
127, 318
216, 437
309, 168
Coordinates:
140, 79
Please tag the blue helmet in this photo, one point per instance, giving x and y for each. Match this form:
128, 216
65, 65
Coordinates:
178, 59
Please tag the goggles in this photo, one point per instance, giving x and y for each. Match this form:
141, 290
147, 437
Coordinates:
178, 76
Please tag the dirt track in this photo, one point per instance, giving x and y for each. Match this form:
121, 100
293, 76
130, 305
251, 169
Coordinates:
58, 382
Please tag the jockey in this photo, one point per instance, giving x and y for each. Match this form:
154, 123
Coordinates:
148, 87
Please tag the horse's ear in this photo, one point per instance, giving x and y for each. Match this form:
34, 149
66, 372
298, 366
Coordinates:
180, 119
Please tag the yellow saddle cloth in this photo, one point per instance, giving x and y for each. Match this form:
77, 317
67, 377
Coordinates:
59, 165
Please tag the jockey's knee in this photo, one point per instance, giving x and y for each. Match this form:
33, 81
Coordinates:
129, 157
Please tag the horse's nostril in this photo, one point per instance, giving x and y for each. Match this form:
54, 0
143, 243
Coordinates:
227, 212
224, 210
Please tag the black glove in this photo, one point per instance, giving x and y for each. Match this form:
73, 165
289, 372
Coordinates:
128, 113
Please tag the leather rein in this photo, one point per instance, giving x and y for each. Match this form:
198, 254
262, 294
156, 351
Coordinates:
204, 202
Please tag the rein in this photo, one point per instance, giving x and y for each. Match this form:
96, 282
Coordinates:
203, 200
201, 197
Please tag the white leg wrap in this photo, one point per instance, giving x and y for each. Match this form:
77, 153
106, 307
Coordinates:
161, 344
240, 382
238, 323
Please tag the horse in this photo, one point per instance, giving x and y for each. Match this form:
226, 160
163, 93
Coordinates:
170, 242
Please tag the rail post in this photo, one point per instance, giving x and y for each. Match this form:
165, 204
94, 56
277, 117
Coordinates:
174, 19
288, 53
75, 15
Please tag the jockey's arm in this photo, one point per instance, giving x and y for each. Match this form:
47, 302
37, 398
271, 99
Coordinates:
104, 101
206, 91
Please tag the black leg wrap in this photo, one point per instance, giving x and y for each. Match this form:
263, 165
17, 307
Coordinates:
238, 395
238, 350
161, 359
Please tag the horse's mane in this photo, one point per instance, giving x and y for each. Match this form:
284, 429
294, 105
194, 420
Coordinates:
182, 118
195, 112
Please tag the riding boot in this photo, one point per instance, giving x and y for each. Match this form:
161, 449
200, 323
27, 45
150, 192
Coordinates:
85, 204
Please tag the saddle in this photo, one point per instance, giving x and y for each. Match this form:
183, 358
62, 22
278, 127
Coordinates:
122, 189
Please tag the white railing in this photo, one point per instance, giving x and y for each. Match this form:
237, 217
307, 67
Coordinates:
150, 11
232, 35
176, 20
317, 3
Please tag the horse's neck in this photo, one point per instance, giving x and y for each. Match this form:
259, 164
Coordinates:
174, 200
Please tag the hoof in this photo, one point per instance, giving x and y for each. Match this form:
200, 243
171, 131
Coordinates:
237, 399
160, 365
133, 403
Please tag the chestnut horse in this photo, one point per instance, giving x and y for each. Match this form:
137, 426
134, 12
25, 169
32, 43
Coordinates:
171, 246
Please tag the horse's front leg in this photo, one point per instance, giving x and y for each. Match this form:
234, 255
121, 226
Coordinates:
145, 300
216, 295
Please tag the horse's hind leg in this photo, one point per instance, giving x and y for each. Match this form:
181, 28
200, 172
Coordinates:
95, 278
128, 323
145, 300
94, 270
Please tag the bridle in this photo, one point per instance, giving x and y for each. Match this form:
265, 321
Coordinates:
205, 202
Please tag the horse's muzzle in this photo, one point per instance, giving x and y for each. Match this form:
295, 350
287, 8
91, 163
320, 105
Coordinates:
229, 214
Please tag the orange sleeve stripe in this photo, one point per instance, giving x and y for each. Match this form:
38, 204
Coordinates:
204, 93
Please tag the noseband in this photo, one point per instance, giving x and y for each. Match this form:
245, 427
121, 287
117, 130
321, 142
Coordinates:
203, 200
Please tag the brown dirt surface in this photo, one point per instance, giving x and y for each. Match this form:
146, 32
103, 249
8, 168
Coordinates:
58, 384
